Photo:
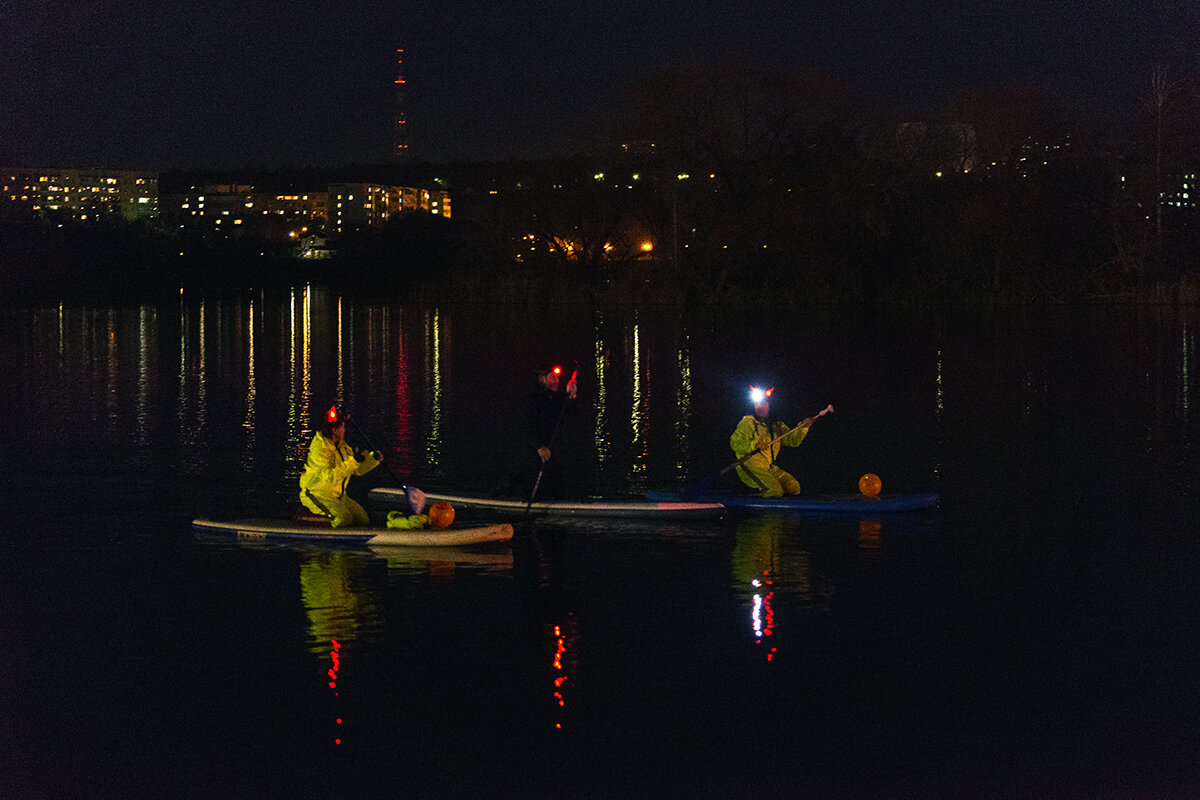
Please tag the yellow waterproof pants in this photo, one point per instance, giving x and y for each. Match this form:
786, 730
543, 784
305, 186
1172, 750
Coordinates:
344, 511
772, 482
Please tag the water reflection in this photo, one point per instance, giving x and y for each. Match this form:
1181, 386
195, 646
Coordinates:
639, 417
341, 604
141, 432
564, 666
403, 418
249, 422
342, 592
339, 598
758, 564
600, 355
869, 534
335, 661
433, 401
111, 361
443, 562
683, 401
247, 372
192, 405
340, 392
299, 371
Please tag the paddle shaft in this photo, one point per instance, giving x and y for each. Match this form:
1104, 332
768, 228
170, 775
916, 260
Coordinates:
550, 446
758, 450
374, 449
415, 496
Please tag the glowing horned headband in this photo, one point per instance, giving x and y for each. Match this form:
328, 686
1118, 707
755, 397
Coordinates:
759, 395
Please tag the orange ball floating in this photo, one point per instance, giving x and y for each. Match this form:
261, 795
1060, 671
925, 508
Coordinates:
870, 485
441, 514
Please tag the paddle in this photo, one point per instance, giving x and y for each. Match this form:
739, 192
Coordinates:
550, 446
416, 497
702, 485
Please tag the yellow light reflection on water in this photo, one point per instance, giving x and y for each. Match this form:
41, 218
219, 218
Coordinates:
433, 366
638, 413
110, 400
600, 352
299, 369
249, 422
292, 410
201, 377
683, 404
183, 334
306, 361
193, 388
147, 345
1185, 376
340, 394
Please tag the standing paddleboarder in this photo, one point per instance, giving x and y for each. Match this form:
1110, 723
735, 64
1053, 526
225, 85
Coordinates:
541, 461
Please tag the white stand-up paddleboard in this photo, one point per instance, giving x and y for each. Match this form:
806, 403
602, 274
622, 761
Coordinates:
269, 529
632, 509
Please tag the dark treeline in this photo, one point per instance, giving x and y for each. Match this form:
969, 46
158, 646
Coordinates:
734, 184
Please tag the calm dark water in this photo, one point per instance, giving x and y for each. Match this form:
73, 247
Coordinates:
1036, 636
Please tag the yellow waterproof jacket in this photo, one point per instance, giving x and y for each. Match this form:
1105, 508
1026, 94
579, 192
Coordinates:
753, 434
330, 466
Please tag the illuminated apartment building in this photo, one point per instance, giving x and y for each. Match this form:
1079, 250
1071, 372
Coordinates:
301, 214
358, 205
221, 208
439, 204
436, 202
81, 194
236, 209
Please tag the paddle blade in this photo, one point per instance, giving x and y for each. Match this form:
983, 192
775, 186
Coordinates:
416, 498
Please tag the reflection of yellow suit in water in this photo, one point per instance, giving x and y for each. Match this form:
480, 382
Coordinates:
338, 599
323, 484
760, 470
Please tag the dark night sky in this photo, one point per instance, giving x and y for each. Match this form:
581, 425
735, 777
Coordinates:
161, 84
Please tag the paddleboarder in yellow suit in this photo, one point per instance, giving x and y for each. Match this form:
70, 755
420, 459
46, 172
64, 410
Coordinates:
754, 433
331, 463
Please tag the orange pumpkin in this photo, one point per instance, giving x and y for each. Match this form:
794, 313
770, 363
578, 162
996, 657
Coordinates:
870, 485
441, 514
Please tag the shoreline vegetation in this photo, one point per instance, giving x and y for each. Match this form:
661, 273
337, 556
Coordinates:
436, 261
721, 186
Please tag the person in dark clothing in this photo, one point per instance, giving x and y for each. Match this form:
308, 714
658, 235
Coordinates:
545, 405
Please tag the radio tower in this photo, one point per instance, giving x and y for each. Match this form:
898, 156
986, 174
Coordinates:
400, 127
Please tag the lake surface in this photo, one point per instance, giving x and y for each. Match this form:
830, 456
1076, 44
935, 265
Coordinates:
1037, 635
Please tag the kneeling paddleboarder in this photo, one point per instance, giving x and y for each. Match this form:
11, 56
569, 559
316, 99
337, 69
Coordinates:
756, 432
331, 462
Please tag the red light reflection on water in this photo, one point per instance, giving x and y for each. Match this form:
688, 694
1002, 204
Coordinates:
335, 659
404, 423
563, 639
762, 616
